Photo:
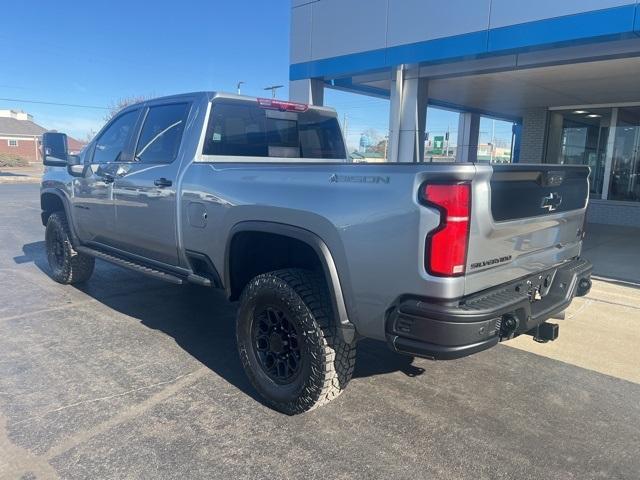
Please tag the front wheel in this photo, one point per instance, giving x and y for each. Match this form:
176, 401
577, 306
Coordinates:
287, 345
67, 265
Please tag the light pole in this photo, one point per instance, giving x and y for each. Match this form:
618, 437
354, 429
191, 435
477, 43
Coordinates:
386, 147
240, 83
273, 89
493, 139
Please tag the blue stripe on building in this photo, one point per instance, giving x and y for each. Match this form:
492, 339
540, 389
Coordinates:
588, 27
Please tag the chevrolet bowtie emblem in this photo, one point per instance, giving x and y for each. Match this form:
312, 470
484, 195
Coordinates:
551, 202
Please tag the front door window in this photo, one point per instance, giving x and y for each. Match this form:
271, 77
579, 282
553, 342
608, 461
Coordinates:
113, 141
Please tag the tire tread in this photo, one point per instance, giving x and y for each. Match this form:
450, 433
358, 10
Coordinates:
333, 367
78, 267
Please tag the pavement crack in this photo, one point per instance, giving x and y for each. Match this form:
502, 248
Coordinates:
74, 304
619, 304
173, 386
47, 310
584, 306
105, 398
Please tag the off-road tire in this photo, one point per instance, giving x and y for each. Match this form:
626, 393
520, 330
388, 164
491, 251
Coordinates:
327, 362
67, 265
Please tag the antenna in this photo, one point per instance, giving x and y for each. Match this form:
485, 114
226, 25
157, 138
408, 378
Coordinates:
273, 89
240, 83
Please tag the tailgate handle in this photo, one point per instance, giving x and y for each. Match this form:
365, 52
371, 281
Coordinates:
162, 182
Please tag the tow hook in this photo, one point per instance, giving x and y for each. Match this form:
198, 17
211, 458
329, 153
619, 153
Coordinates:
508, 326
545, 332
584, 285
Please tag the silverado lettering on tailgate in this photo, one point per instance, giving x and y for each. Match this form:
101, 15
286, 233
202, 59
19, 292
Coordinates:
493, 261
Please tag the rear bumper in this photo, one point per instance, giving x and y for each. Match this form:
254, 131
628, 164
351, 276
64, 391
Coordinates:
474, 323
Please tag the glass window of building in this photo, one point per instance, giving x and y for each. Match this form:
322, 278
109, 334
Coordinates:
579, 137
625, 169
605, 139
495, 141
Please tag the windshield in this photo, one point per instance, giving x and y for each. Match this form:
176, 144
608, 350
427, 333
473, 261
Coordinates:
245, 129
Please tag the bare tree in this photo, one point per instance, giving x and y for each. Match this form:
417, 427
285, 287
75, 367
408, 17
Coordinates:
121, 103
380, 147
89, 136
373, 135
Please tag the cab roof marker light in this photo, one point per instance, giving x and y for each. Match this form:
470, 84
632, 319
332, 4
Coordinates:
282, 105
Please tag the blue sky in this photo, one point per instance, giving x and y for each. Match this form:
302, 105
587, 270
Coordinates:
94, 53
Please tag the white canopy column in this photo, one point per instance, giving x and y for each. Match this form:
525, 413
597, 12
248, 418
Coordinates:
309, 91
468, 136
408, 115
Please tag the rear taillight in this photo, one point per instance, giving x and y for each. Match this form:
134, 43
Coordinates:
446, 246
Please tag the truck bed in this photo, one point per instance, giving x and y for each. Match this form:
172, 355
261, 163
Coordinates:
371, 219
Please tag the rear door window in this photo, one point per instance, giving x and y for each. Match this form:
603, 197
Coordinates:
161, 133
245, 129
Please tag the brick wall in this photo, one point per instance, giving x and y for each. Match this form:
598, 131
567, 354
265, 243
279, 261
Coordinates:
534, 129
25, 149
614, 213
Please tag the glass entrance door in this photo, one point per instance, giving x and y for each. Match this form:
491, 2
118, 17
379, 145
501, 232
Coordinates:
625, 166
579, 137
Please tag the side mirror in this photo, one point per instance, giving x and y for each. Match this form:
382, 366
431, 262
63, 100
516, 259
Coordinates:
75, 166
54, 148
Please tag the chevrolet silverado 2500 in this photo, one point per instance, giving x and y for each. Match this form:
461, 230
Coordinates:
257, 197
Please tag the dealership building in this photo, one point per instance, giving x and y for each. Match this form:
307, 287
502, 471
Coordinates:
565, 72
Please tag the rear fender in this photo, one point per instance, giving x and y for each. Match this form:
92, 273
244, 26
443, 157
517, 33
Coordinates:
344, 326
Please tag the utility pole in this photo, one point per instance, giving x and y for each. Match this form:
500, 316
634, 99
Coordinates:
273, 89
386, 146
446, 152
240, 83
493, 139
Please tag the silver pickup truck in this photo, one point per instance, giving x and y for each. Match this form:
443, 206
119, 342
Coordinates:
257, 197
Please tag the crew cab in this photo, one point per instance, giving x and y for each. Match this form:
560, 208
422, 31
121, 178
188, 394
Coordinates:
257, 197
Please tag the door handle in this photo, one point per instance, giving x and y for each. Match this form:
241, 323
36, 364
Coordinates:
162, 182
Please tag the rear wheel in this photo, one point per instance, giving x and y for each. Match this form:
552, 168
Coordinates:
287, 343
67, 265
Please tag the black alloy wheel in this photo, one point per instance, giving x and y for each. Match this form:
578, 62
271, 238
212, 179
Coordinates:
276, 340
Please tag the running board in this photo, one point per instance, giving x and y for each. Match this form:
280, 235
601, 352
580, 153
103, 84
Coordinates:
136, 267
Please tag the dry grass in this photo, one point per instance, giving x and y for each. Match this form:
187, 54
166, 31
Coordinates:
10, 160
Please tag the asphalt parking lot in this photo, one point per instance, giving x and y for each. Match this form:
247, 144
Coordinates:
128, 377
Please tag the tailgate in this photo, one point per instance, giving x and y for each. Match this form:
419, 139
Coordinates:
525, 219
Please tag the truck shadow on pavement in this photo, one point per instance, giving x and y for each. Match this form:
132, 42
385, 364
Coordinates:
200, 320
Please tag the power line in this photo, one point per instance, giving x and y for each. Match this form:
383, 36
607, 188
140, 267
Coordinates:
41, 102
